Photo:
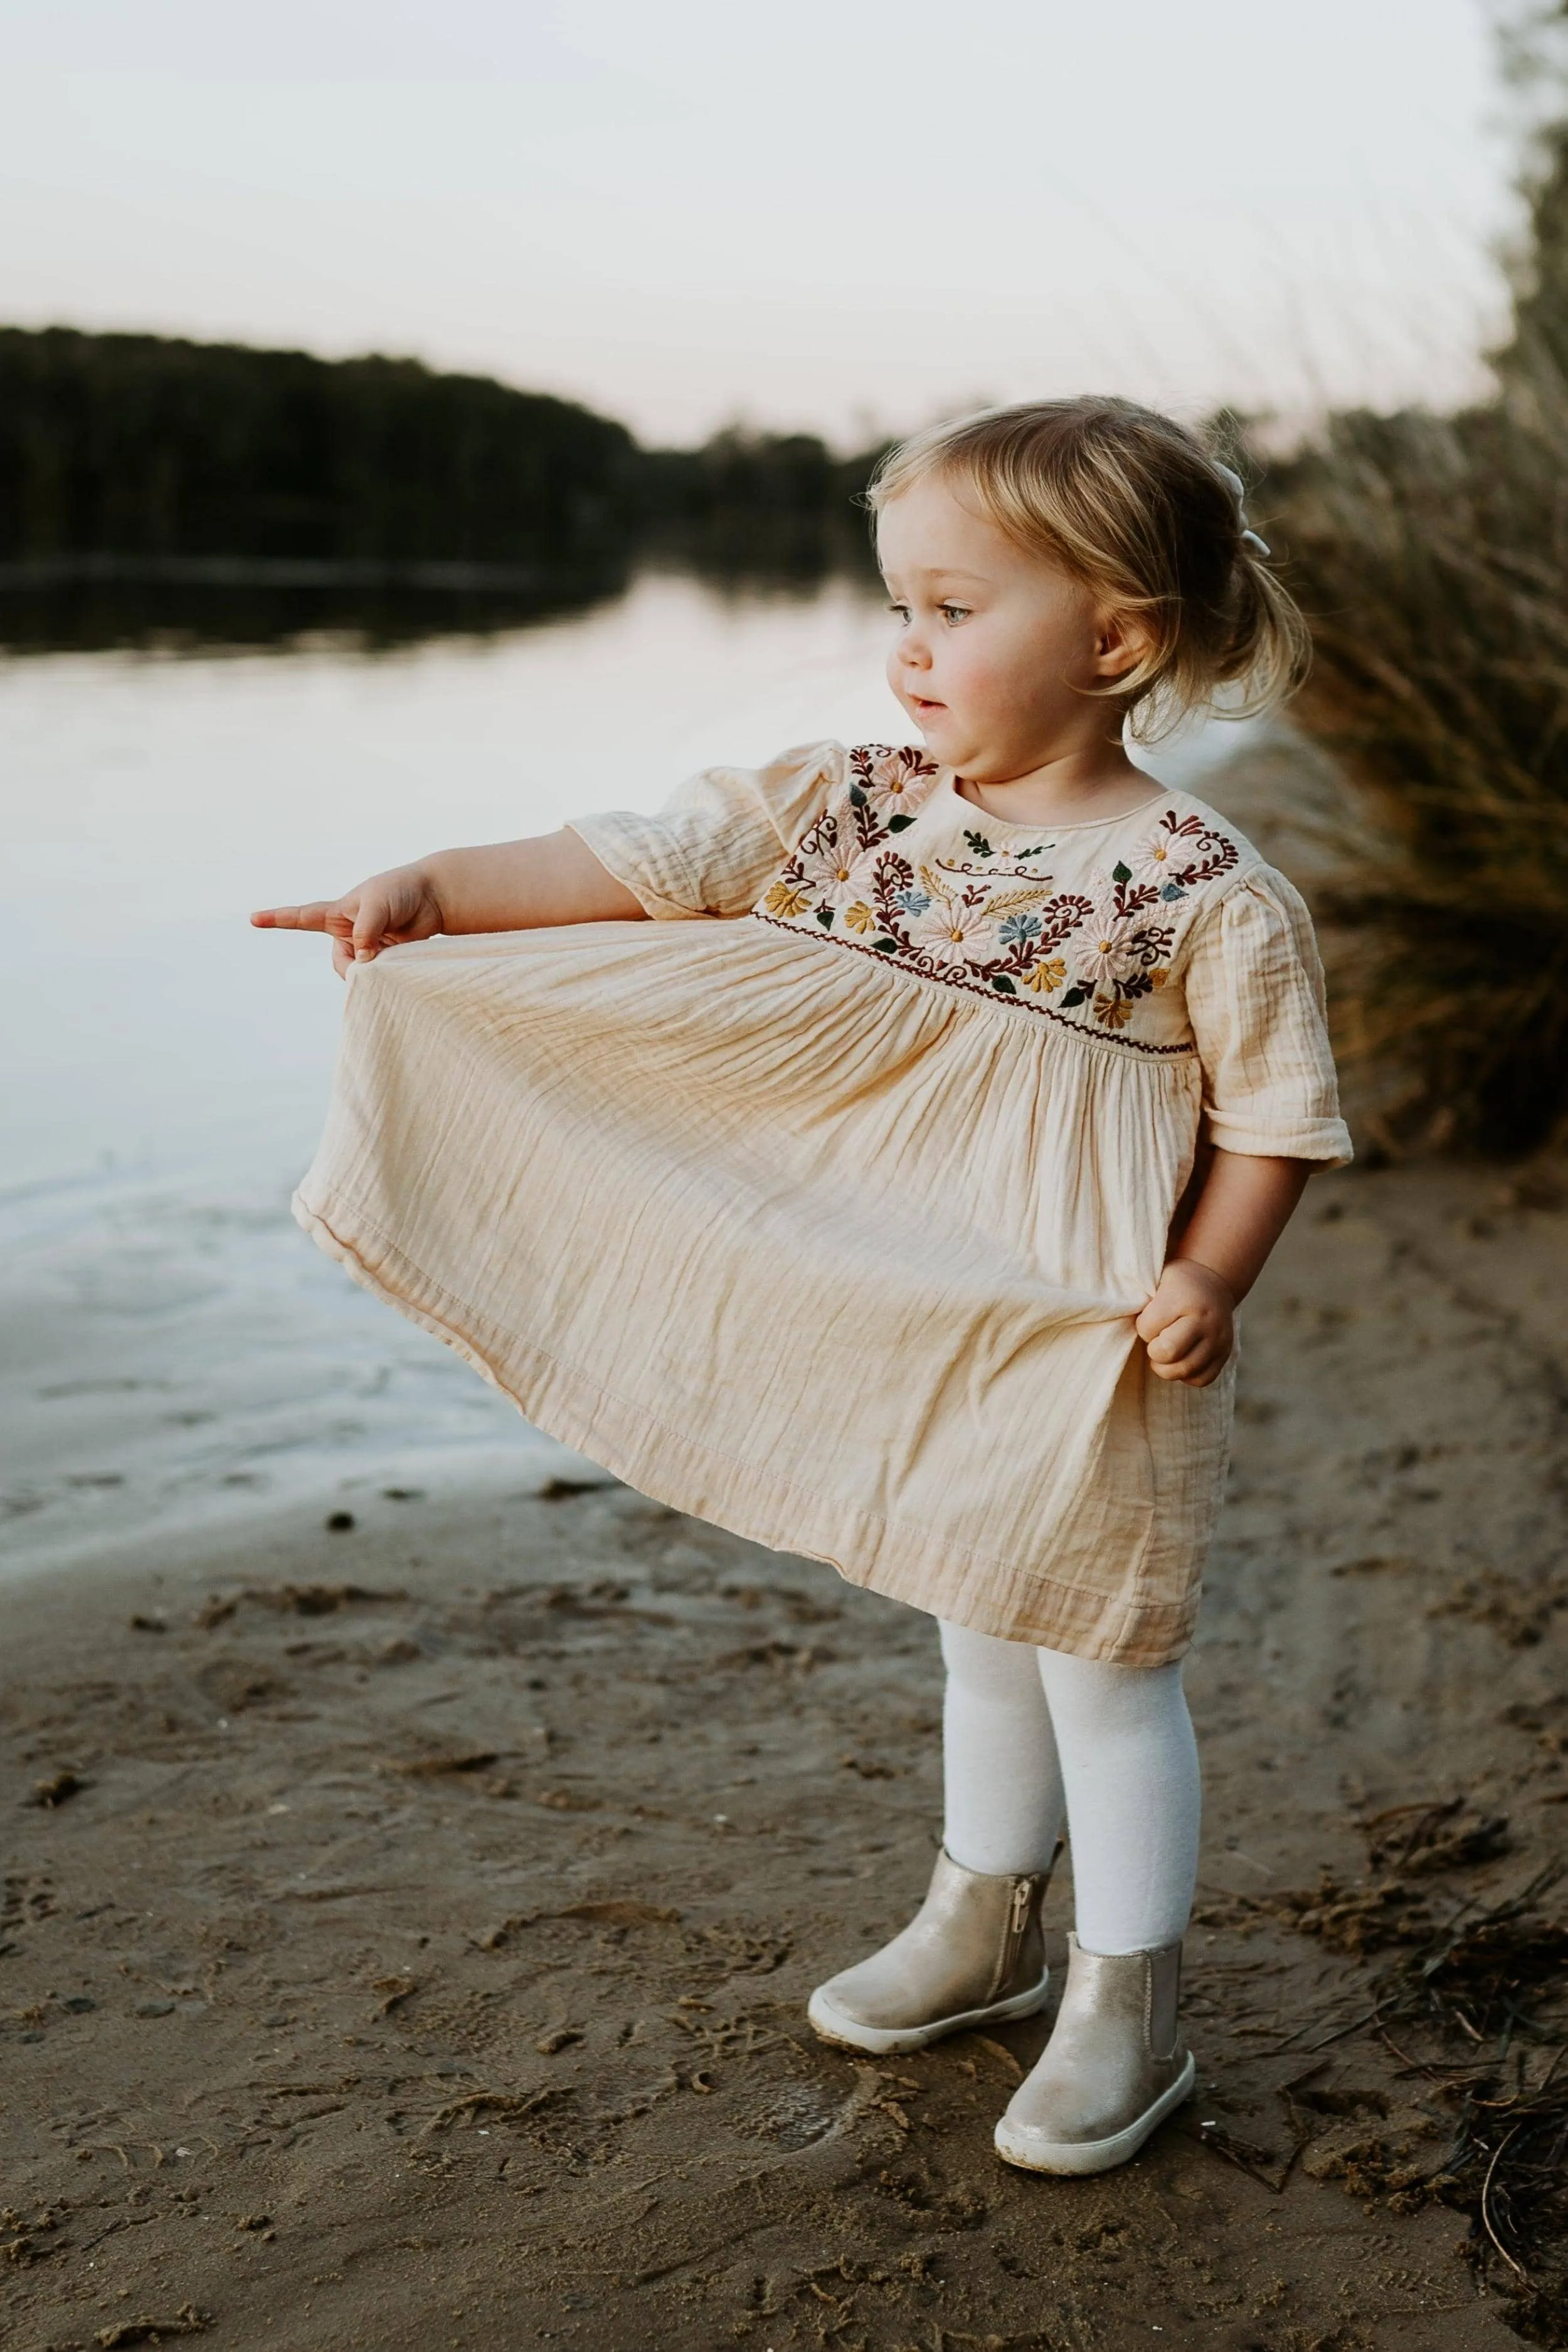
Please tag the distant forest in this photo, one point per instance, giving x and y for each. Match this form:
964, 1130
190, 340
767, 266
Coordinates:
140, 450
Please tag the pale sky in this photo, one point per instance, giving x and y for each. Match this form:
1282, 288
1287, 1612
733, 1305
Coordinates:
843, 215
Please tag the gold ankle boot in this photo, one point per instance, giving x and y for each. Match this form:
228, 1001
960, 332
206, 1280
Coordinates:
972, 1955
1114, 2067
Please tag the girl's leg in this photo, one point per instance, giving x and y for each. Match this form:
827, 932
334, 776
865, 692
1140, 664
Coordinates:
974, 1954
1130, 1765
1116, 2064
1003, 1785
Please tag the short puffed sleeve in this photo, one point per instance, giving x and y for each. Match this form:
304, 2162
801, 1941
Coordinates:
1254, 986
717, 843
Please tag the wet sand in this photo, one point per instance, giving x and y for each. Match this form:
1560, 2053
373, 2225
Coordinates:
412, 1944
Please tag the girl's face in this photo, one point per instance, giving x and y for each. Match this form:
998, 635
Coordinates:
997, 650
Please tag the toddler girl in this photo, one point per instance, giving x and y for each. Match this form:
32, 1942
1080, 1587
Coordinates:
889, 1196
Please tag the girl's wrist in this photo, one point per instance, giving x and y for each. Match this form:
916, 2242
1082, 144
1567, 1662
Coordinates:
426, 869
1232, 1291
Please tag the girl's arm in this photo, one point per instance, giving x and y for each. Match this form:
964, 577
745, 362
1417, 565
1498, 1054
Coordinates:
508, 885
1244, 1205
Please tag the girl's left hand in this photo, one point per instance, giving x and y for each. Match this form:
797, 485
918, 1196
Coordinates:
1189, 1324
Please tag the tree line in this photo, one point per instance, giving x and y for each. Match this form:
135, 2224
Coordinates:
151, 447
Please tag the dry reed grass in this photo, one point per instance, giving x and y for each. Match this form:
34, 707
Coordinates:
1431, 555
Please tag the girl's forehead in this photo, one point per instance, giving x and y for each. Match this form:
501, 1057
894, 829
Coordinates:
929, 528
940, 541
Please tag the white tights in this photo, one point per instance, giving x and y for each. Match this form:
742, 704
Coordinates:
1034, 1740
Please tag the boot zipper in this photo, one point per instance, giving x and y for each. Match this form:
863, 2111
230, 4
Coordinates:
1018, 1920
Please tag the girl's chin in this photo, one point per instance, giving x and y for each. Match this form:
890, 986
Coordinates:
937, 727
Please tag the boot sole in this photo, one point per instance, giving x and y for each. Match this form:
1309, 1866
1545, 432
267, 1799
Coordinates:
892, 2040
1032, 2152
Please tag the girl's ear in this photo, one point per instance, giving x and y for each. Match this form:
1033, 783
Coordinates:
1121, 641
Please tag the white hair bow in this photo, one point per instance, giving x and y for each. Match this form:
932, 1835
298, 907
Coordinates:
1238, 489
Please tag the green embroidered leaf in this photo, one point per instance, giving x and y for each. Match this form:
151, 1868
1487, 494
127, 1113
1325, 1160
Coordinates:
978, 843
825, 917
1004, 986
1076, 996
900, 824
856, 797
1122, 873
886, 946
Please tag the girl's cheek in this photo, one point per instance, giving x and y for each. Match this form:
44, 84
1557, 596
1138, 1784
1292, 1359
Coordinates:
967, 673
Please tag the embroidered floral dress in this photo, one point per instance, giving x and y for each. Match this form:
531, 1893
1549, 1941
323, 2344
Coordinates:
823, 1205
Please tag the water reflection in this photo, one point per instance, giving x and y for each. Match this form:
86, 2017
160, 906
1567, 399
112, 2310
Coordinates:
192, 605
100, 603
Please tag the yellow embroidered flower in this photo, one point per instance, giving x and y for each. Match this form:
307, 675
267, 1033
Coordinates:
1047, 976
788, 898
1159, 975
859, 918
1116, 1012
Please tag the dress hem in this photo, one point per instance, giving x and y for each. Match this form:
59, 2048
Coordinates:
754, 1502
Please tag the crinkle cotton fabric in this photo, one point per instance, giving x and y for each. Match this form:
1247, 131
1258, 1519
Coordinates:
822, 1206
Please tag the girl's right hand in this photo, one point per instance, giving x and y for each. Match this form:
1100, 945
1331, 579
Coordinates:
381, 913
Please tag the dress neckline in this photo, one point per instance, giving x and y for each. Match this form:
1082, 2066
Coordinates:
1041, 826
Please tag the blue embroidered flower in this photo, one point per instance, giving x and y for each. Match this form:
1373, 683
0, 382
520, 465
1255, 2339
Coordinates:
1013, 930
913, 901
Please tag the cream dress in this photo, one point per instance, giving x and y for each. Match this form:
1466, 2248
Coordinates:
822, 1206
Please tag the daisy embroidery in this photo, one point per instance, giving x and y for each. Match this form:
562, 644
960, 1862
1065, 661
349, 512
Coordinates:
891, 784
950, 932
1156, 859
1109, 949
832, 868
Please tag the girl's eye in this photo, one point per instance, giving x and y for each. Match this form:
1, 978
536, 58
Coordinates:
953, 614
899, 612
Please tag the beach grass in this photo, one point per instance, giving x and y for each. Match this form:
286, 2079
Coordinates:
1431, 555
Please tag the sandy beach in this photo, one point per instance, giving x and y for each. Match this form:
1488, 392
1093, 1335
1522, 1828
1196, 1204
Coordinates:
408, 1923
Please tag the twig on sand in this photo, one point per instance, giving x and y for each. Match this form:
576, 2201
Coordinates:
1503, 2144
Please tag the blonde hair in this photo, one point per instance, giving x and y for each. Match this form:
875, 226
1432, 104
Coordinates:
1132, 505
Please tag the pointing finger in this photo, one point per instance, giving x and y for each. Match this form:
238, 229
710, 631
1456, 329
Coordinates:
312, 917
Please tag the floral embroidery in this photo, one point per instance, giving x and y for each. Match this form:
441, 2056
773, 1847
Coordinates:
830, 869
890, 785
991, 921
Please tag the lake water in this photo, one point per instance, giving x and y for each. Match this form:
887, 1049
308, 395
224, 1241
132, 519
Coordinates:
174, 1350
